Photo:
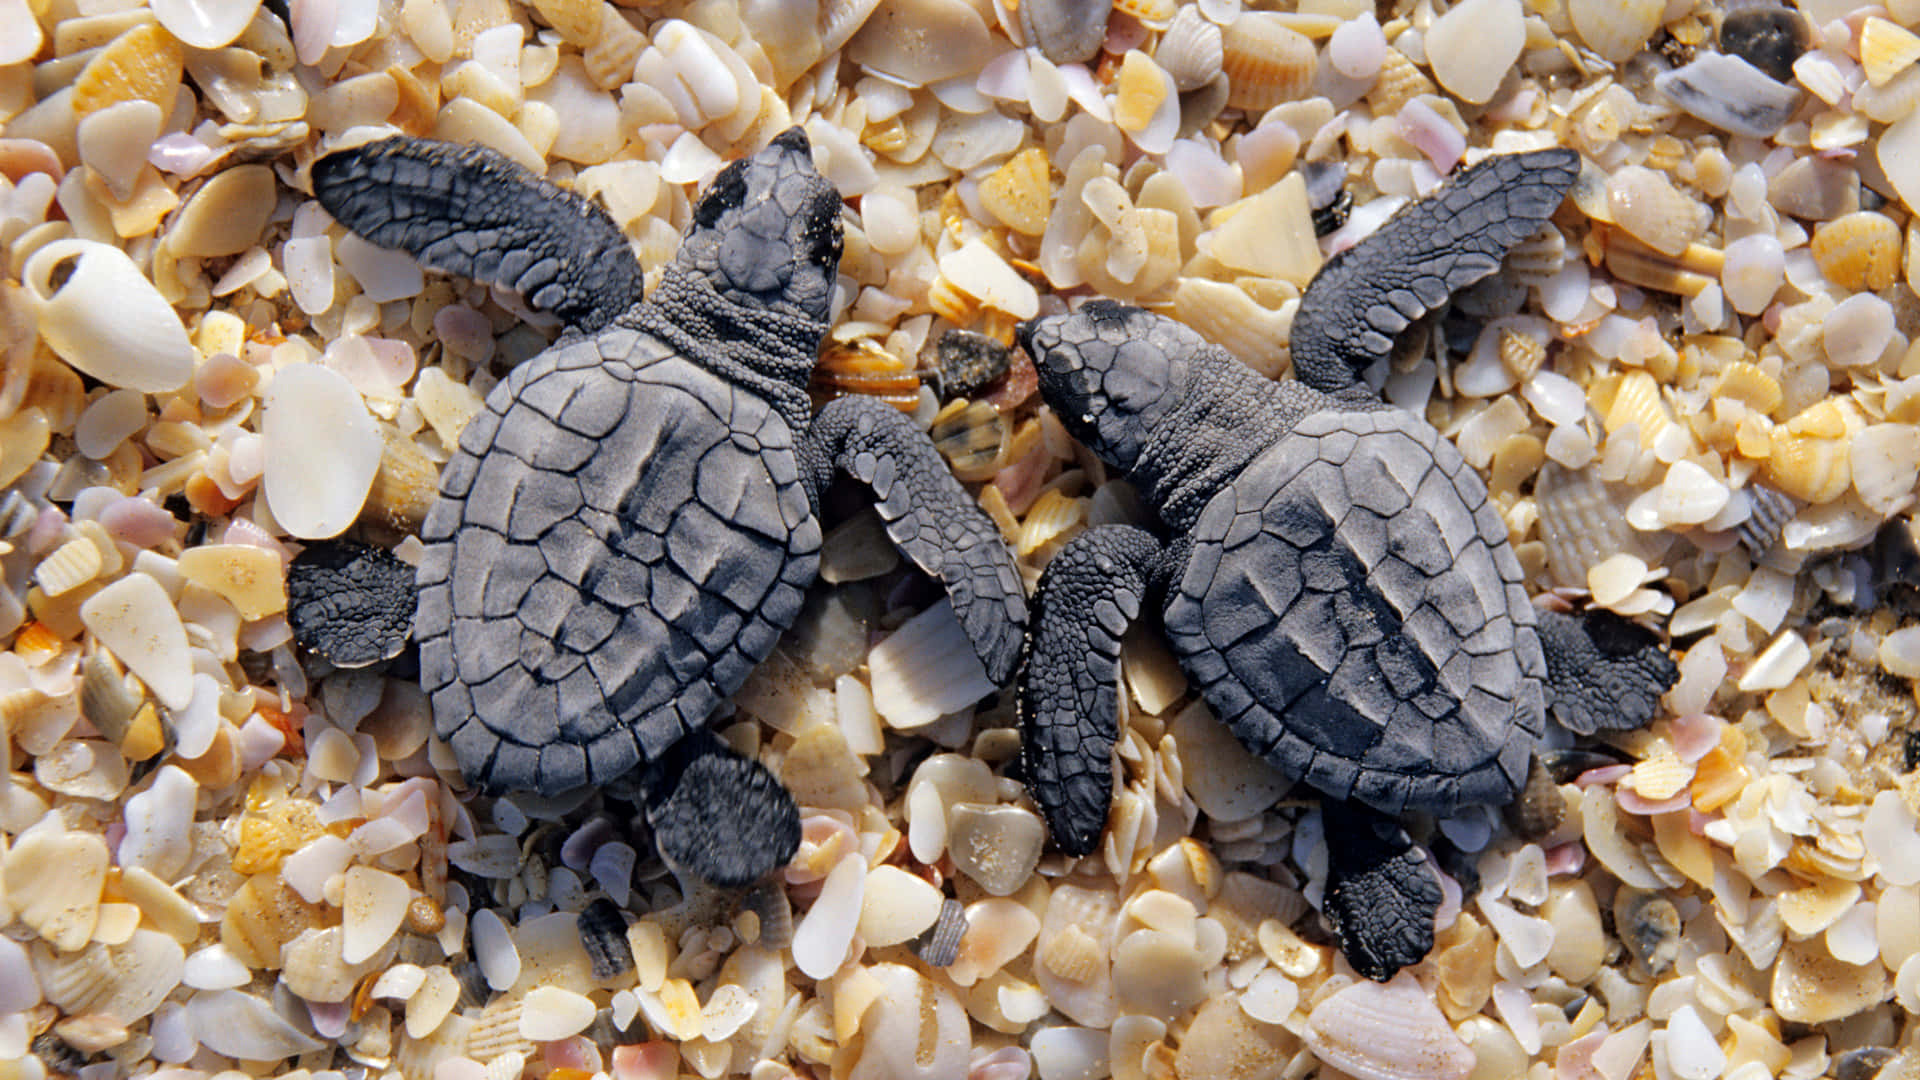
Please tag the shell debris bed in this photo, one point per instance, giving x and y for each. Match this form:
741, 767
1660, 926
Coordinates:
1695, 398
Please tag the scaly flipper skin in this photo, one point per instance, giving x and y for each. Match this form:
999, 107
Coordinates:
470, 211
350, 602
1381, 891
929, 516
1425, 253
718, 815
1089, 594
1605, 673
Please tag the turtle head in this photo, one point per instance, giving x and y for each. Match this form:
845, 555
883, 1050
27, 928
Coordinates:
1111, 373
766, 235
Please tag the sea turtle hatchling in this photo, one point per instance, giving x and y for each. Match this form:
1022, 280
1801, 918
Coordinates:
1336, 584
632, 521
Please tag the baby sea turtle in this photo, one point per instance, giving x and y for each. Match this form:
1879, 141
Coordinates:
632, 521
1335, 583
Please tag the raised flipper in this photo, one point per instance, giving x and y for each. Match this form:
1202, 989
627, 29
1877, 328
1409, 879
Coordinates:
717, 815
1604, 673
1364, 296
1089, 595
929, 516
1381, 891
471, 211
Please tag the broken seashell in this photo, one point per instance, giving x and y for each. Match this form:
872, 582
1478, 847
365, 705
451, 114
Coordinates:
144, 64
1728, 93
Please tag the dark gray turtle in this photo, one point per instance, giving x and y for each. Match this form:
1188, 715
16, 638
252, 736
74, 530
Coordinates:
1336, 585
632, 522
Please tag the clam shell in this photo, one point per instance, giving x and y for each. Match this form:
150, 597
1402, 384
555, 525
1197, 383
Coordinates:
1810, 456
1387, 1031
1266, 62
1811, 987
106, 318
1859, 251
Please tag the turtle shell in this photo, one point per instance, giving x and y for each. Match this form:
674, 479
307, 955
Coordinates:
1352, 611
620, 539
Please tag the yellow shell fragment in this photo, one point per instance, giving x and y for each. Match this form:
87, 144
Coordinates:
1020, 193
1886, 49
142, 64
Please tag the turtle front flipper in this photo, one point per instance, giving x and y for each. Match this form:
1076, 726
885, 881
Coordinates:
1604, 673
471, 211
718, 815
1089, 595
1364, 296
929, 516
1381, 893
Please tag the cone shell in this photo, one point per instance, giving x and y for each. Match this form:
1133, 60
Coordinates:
142, 64
1266, 62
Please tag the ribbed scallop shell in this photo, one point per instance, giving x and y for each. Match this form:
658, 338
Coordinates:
1051, 517
1809, 468
1539, 257
1399, 82
1071, 954
1191, 50
1376, 1031
614, 48
1750, 385
497, 1032
1583, 522
126, 982
1637, 401
71, 565
108, 698
1265, 61
142, 64
577, 20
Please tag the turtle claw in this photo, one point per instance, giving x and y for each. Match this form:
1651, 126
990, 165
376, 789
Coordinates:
717, 815
1382, 894
1604, 672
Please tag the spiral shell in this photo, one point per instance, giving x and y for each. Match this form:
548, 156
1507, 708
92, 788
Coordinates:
106, 318
1266, 62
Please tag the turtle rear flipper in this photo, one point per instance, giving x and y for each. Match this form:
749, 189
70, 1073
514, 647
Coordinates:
1364, 296
1604, 673
718, 815
929, 516
350, 602
471, 211
1089, 595
1382, 894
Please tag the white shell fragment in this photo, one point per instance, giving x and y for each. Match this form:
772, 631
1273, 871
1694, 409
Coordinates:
135, 619
316, 485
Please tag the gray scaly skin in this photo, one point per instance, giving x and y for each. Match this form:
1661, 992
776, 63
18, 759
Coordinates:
1336, 583
632, 521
